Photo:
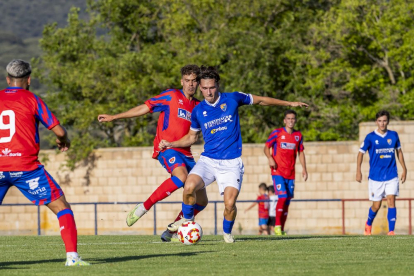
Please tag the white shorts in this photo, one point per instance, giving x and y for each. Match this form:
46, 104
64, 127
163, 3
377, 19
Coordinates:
228, 173
379, 189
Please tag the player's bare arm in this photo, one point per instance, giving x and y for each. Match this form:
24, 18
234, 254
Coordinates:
62, 139
360, 158
260, 100
133, 112
272, 163
184, 142
402, 162
250, 207
302, 160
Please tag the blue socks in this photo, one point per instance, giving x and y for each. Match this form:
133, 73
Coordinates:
227, 226
392, 217
371, 216
188, 211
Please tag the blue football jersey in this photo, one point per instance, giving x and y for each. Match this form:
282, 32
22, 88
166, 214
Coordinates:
381, 148
220, 125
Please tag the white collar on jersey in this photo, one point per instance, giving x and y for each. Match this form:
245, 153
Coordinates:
214, 104
381, 135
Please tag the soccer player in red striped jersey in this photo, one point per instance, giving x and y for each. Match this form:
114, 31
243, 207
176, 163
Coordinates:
175, 107
20, 114
281, 149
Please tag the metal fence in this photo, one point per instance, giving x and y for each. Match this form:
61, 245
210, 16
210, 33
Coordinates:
154, 210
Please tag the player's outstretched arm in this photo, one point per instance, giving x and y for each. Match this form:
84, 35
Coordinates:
189, 139
260, 100
62, 139
402, 162
250, 207
133, 112
302, 160
272, 163
360, 158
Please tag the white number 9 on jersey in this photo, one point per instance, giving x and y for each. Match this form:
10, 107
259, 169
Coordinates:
11, 126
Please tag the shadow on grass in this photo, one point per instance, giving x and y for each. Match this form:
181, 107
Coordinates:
278, 238
96, 261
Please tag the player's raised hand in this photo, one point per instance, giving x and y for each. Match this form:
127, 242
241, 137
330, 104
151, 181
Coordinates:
358, 177
63, 145
300, 104
164, 144
403, 176
105, 118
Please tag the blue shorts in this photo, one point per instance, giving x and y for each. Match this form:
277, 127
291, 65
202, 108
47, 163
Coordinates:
263, 221
37, 185
284, 188
171, 159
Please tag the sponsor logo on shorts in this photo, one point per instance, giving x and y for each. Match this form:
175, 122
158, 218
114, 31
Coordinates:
16, 174
2, 175
8, 152
171, 160
34, 187
289, 146
184, 114
218, 129
223, 107
278, 186
389, 141
372, 194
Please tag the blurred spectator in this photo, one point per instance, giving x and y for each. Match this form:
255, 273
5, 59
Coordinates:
263, 208
272, 208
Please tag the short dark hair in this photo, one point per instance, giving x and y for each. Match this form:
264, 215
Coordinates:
290, 111
190, 69
208, 72
263, 186
271, 188
383, 113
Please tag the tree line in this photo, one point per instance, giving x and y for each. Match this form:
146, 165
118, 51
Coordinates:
347, 59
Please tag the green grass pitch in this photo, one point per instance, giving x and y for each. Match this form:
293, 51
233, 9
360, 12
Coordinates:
250, 255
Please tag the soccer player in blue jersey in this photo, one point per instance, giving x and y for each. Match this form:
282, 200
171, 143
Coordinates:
217, 118
382, 144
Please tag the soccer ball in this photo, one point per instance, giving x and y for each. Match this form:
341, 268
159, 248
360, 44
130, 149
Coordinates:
190, 232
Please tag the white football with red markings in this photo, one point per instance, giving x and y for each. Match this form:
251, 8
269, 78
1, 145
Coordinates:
190, 233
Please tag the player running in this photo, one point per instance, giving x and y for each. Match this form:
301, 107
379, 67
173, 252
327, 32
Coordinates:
382, 144
175, 107
218, 119
281, 149
20, 114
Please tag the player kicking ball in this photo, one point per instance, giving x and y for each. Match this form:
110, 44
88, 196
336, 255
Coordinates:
20, 114
175, 107
217, 118
382, 144
281, 149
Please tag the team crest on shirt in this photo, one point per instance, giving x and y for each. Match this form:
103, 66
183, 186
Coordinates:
278, 186
223, 107
389, 141
297, 138
171, 160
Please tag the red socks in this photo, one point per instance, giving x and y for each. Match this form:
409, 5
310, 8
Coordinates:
68, 230
163, 191
284, 216
280, 210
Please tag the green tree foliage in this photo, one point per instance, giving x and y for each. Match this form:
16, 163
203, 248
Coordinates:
347, 59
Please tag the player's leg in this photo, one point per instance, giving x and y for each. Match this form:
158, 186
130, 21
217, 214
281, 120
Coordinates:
201, 203
376, 193
174, 162
40, 188
281, 188
230, 212
290, 195
391, 191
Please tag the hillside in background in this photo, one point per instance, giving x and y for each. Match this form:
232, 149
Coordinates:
22, 23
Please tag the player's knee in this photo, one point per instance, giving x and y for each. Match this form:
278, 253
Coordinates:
230, 206
190, 187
